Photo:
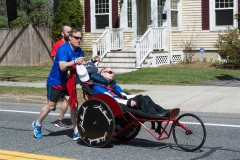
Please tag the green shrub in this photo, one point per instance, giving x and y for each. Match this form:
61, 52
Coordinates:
69, 13
211, 60
205, 59
3, 21
228, 44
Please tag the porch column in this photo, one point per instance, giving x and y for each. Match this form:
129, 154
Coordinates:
123, 15
154, 13
134, 21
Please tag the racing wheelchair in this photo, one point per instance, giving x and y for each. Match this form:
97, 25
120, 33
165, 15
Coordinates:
100, 118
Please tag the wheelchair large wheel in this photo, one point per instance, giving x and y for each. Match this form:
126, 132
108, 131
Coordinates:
189, 132
96, 123
130, 133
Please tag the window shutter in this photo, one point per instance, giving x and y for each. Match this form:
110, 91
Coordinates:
115, 14
87, 16
205, 14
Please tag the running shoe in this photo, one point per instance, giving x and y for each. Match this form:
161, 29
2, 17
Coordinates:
76, 136
37, 132
59, 124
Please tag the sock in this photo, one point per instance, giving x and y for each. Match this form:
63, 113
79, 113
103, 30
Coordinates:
37, 124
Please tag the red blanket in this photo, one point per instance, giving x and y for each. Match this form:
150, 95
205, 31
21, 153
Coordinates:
72, 89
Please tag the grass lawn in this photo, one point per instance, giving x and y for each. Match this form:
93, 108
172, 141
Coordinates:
166, 75
175, 75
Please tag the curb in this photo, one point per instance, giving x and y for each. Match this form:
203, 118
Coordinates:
31, 100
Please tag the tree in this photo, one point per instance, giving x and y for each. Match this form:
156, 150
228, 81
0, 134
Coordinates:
189, 40
11, 10
69, 13
3, 14
35, 12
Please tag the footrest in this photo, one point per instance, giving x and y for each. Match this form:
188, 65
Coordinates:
173, 113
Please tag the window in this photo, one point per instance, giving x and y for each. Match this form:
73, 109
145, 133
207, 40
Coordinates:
174, 13
222, 14
102, 13
129, 12
160, 10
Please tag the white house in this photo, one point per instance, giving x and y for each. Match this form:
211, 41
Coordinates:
142, 33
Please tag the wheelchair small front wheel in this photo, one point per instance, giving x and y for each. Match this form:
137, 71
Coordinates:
189, 132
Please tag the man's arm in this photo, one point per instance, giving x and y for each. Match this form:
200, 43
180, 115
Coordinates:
54, 50
99, 89
63, 65
95, 59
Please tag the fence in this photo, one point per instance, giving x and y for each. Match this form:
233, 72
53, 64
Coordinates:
29, 45
111, 39
151, 40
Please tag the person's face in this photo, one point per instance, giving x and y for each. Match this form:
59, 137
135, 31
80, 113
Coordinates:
75, 39
108, 74
65, 33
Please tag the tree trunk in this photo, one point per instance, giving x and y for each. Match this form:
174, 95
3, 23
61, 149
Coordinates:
11, 10
55, 5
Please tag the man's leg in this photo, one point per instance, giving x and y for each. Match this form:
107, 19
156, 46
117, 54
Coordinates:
45, 110
63, 111
37, 125
143, 104
73, 112
156, 107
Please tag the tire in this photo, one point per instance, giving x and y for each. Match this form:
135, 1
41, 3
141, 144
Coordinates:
129, 134
192, 139
95, 122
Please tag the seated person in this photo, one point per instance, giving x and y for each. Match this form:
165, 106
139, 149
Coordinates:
139, 102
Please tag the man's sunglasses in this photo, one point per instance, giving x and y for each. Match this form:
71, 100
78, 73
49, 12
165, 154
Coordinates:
77, 38
110, 72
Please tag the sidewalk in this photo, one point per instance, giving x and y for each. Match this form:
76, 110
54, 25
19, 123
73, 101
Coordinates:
198, 98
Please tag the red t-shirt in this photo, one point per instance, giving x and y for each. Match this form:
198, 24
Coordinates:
56, 45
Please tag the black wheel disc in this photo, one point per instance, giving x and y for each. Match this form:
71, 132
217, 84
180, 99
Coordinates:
96, 123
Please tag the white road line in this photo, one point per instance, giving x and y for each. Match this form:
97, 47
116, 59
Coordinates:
214, 124
56, 114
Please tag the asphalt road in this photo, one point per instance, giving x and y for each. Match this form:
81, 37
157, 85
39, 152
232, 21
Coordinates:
222, 141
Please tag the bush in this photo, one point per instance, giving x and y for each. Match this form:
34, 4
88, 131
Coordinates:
69, 13
3, 21
228, 44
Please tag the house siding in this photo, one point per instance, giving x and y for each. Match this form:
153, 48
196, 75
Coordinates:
88, 38
192, 28
128, 39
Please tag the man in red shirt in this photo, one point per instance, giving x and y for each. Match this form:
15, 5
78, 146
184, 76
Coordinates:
65, 34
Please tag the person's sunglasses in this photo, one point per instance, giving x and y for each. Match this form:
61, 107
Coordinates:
110, 72
77, 38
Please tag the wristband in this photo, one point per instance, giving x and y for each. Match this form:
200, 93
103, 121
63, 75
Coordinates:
74, 61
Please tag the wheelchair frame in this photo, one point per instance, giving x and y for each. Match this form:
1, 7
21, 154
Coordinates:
100, 118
